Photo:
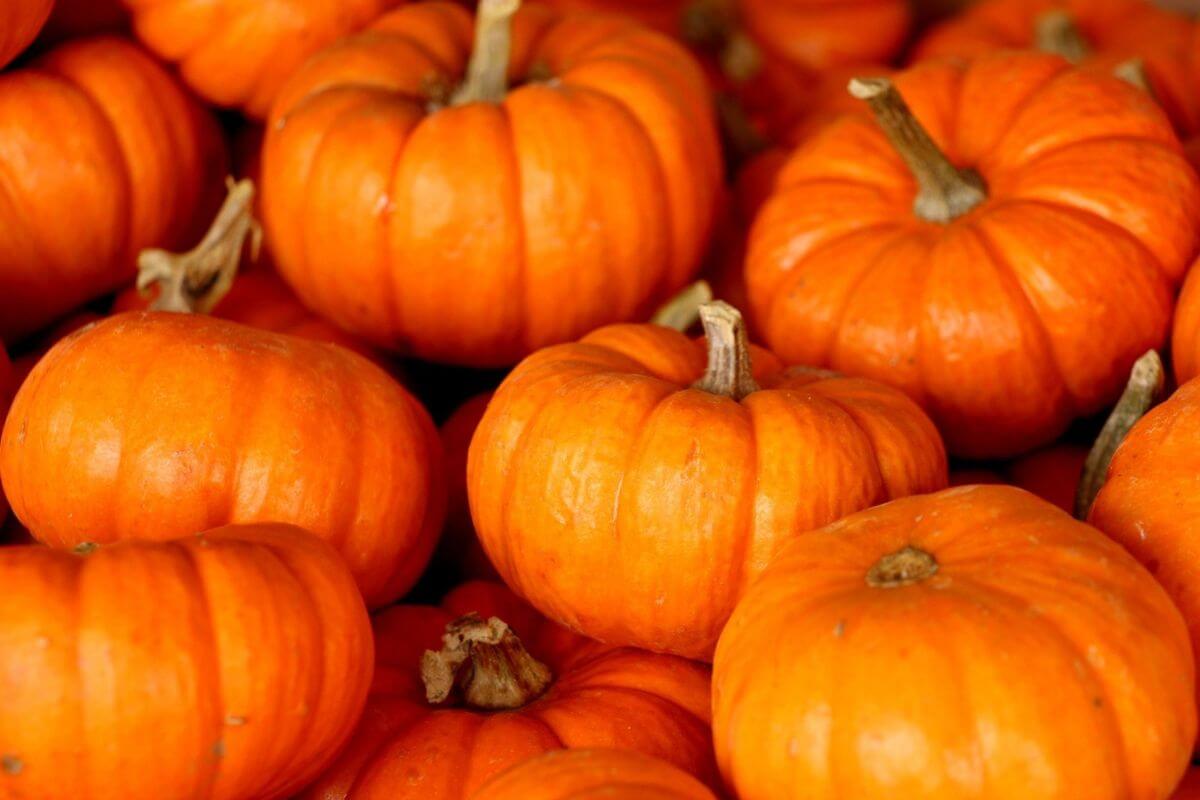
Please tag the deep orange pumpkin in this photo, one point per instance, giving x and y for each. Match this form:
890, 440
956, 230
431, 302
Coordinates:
965, 287
597, 696
459, 551
20, 22
179, 422
227, 665
1051, 473
1097, 33
239, 54
8, 385
478, 231
960, 645
115, 157
72, 18
624, 456
1190, 788
580, 774
1185, 335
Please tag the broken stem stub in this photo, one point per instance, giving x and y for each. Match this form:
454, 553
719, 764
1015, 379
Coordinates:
484, 666
682, 311
906, 566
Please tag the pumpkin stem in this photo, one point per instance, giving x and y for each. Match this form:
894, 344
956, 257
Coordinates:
944, 192
487, 71
713, 25
682, 311
485, 665
1146, 384
1056, 32
195, 281
1133, 72
729, 371
905, 566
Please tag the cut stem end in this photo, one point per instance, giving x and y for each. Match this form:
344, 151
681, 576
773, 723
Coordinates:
484, 666
904, 567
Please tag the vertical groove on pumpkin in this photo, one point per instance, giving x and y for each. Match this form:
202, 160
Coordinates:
682, 311
195, 281
487, 71
483, 664
729, 371
944, 192
1146, 384
1056, 32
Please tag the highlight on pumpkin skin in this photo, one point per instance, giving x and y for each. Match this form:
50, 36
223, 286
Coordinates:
575, 774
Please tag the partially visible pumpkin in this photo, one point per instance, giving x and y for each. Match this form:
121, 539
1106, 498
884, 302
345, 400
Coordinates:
238, 54
963, 285
20, 22
467, 690
1185, 335
579, 774
8, 385
1190, 788
180, 422
72, 18
459, 552
675, 475
221, 666
976, 643
114, 157
34, 348
473, 221
1051, 473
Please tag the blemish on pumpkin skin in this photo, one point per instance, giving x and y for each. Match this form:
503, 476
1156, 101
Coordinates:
235, 721
839, 630
11, 764
218, 749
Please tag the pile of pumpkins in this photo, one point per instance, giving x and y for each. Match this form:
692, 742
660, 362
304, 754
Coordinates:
935, 533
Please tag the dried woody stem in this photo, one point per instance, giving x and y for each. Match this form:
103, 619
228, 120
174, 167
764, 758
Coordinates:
682, 311
487, 71
483, 664
1055, 32
904, 567
195, 281
1146, 384
944, 192
729, 371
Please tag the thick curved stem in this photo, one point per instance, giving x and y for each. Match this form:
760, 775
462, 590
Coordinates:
901, 568
729, 371
682, 311
487, 71
1056, 32
1146, 384
195, 281
484, 665
944, 192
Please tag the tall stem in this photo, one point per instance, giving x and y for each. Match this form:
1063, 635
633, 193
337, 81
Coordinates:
487, 71
1146, 384
1055, 32
483, 664
944, 192
682, 311
195, 281
729, 372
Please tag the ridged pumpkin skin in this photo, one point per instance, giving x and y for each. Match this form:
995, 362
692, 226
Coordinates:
148, 425
820, 34
597, 459
478, 233
406, 749
239, 54
222, 666
1039, 661
1185, 335
20, 22
1150, 503
988, 321
1113, 31
116, 147
582, 774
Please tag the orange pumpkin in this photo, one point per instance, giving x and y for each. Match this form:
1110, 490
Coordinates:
579, 774
120, 149
507, 685
1098, 33
180, 422
1190, 788
19, 24
475, 224
8, 383
72, 18
1051, 473
238, 54
33, 349
946, 260
459, 550
1185, 335
227, 665
976, 643
626, 455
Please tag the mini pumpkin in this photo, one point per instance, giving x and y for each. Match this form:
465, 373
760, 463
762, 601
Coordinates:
1052, 473
238, 54
226, 665
676, 475
467, 690
470, 222
73, 18
962, 248
577, 774
180, 422
19, 25
1190, 788
117, 141
957, 645
1185, 335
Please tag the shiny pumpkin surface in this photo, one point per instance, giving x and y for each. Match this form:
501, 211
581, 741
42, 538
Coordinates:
156, 424
601, 696
593, 775
1039, 660
988, 321
476, 233
596, 458
221, 666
